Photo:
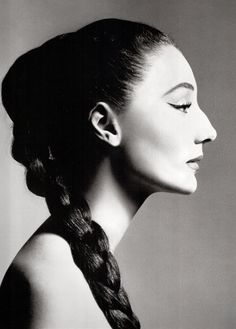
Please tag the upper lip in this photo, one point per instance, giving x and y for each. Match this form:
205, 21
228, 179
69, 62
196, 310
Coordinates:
197, 159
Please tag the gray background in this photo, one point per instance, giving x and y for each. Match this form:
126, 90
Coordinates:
178, 257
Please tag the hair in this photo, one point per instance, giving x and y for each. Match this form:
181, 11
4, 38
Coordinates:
48, 93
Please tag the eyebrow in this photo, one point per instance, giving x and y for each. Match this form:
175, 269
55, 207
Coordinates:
180, 85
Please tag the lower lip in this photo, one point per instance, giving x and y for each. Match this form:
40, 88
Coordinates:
193, 165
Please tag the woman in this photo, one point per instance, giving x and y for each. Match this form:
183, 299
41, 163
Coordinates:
103, 117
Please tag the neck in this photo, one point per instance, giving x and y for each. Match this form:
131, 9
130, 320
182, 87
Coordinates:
112, 207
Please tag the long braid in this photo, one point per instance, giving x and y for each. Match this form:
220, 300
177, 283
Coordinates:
89, 246
49, 93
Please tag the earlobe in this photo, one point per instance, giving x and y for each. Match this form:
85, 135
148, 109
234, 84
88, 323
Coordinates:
104, 123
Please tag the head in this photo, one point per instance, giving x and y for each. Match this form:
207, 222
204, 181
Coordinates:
164, 129
114, 89
65, 97
95, 93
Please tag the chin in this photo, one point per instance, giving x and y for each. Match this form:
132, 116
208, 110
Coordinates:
187, 188
188, 191
174, 183
183, 186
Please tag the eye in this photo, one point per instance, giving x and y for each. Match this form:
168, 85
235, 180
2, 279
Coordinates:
181, 107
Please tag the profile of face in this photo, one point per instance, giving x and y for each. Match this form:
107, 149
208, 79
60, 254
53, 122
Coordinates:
163, 127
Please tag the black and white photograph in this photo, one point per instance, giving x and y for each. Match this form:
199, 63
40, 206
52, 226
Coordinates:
117, 164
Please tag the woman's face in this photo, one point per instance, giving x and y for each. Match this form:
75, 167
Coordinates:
163, 128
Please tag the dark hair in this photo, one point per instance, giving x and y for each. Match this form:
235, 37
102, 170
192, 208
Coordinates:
48, 93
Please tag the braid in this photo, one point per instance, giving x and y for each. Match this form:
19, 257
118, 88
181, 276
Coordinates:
89, 246
49, 93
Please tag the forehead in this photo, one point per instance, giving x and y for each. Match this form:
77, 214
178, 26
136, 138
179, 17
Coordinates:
166, 68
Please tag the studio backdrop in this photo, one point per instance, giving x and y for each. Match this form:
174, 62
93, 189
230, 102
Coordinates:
178, 258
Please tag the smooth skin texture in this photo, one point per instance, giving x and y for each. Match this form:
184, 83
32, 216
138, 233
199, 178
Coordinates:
164, 126
151, 143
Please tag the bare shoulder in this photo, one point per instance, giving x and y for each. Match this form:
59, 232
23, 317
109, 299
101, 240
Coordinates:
45, 289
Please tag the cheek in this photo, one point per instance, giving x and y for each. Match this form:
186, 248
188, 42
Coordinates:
152, 139
155, 153
151, 149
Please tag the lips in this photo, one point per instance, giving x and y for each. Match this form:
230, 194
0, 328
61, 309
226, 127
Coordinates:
194, 163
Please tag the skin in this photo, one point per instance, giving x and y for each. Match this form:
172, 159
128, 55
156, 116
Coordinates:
151, 143
158, 138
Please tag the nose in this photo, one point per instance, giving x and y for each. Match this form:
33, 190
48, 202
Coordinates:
206, 132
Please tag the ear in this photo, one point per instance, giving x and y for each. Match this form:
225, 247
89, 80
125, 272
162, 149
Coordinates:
105, 124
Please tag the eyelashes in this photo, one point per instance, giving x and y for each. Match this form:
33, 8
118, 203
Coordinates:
181, 107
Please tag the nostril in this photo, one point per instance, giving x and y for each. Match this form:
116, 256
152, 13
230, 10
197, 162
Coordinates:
207, 140
211, 137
